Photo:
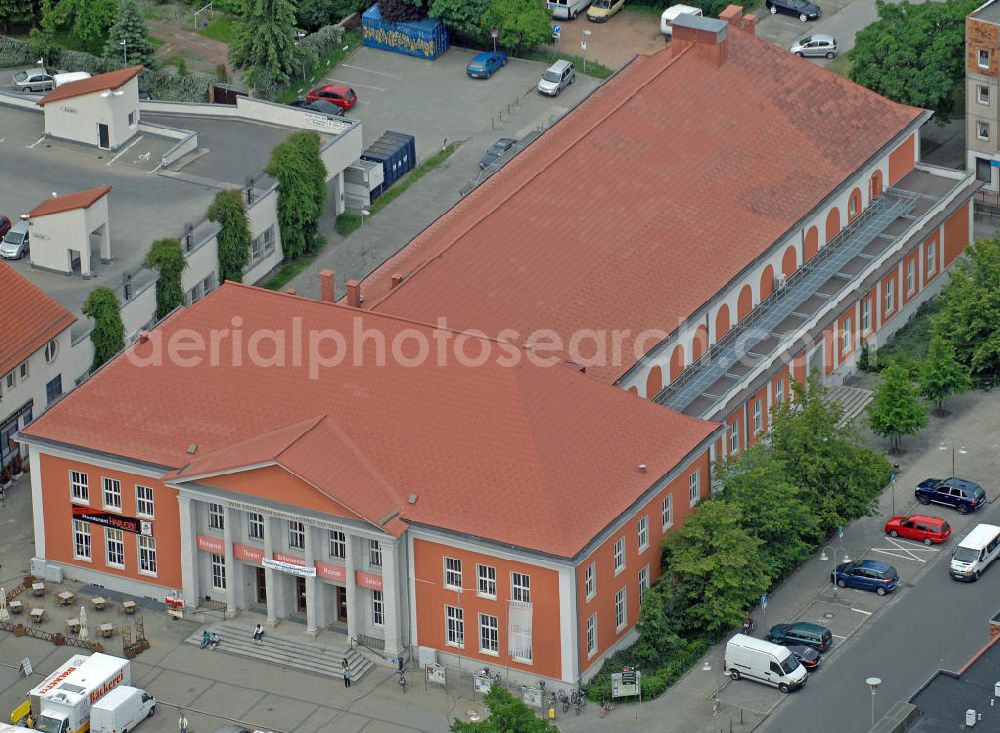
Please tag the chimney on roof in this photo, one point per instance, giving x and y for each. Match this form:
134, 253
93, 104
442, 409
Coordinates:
707, 35
327, 292
733, 14
395, 279
354, 298
292, 291
143, 336
750, 24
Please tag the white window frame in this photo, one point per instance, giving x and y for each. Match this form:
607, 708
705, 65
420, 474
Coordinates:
144, 505
734, 438
779, 391
145, 548
255, 526
296, 535
216, 516
890, 296
378, 608
931, 258
114, 537
51, 349
453, 573
592, 635
486, 581
621, 608
454, 626
643, 583
982, 130
866, 315
22, 370
590, 580
694, 487
911, 277
218, 571
374, 553
79, 487
642, 532
111, 488
83, 541
338, 544
758, 417
10, 379
983, 94
489, 635
983, 58
520, 587
619, 555
845, 335
667, 512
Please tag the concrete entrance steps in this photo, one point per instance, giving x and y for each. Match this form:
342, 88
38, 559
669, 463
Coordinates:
288, 647
854, 400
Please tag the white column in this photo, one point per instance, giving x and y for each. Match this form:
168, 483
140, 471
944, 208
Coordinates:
190, 575
350, 547
270, 576
313, 601
390, 598
38, 502
234, 575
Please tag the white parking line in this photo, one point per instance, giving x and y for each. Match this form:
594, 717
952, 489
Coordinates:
36, 142
903, 552
127, 148
372, 71
858, 610
355, 84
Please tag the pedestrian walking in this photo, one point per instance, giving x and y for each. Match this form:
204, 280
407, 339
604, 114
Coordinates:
182, 724
347, 673
258, 633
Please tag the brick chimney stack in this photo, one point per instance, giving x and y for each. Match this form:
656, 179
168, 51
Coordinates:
395, 280
353, 293
707, 35
327, 291
750, 24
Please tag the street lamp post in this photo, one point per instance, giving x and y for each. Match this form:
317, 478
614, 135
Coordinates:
873, 683
824, 557
707, 667
583, 46
892, 486
951, 444
124, 45
364, 213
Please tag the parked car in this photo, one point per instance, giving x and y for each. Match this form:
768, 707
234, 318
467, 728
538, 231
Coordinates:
145, 96
802, 8
4, 225
867, 575
807, 656
975, 552
600, 10
497, 150
965, 496
920, 527
671, 14
556, 78
15, 242
483, 65
319, 105
802, 632
818, 44
33, 80
340, 95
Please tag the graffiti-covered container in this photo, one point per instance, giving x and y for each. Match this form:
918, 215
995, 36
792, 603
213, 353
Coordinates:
425, 39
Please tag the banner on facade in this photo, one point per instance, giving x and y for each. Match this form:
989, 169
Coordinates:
519, 630
114, 521
287, 567
210, 544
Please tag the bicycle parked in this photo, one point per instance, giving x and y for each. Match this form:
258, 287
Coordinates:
607, 705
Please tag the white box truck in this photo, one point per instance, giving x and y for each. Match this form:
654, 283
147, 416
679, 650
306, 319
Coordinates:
756, 659
121, 710
63, 700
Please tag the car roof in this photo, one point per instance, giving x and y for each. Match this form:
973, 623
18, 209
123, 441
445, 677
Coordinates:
925, 518
36, 70
878, 565
19, 226
964, 483
334, 88
560, 65
819, 37
806, 626
483, 55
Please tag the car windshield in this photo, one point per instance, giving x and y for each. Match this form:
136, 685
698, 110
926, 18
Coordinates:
966, 554
790, 664
804, 41
498, 148
47, 724
21, 76
601, 3
13, 238
551, 75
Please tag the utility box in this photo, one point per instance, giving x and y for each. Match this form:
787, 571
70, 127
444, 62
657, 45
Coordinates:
396, 152
425, 39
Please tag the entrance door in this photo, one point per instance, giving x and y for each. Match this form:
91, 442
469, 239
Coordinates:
341, 604
261, 586
300, 593
104, 139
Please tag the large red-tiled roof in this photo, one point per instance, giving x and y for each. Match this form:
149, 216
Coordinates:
496, 451
100, 83
71, 201
28, 318
646, 200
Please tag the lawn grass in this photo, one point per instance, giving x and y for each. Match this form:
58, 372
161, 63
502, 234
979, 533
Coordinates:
348, 223
647, 10
594, 69
220, 29
412, 177
68, 40
352, 40
287, 273
841, 65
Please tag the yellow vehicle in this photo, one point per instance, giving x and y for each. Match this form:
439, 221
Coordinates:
600, 10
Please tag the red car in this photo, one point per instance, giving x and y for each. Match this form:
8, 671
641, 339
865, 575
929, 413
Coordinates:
4, 225
338, 94
928, 530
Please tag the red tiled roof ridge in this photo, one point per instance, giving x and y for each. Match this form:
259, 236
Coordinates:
581, 133
99, 83
70, 201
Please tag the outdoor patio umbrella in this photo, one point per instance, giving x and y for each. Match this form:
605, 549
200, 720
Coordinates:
84, 631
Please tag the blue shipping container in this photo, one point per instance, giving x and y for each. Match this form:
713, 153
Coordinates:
409, 140
397, 154
425, 39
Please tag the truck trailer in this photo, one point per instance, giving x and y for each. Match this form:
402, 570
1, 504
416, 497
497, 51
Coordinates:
63, 700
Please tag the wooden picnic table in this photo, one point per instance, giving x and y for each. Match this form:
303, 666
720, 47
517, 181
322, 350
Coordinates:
38, 589
73, 624
66, 597
128, 606
16, 606
98, 602
37, 615
106, 630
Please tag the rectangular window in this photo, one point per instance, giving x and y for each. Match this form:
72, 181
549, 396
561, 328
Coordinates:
452, 573
487, 581
983, 130
734, 437
219, 572
10, 380
216, 516
911, 277
454, 626
82, 549
592, 635
79, 489
619, 555
779, 391
590, 580
131, 118
296, 535
866, 315
621, 609
114, 541
758, 417
642, 530
984, 171
931, 258
144, 500
255, 526
489, 634
694, 487
667, 512
378, 608
261, 247
374, 553
520, 587
984, 58
53, 389
643, 583
112, 493
845, 336
982, 94
23, 370
890, 296
338, 544
147, 555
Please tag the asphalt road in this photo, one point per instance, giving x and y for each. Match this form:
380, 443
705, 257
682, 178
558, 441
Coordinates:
937, 623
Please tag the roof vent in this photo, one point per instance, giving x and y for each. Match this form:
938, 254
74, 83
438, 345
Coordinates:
192, 448
413, 500
391, 515
642, 467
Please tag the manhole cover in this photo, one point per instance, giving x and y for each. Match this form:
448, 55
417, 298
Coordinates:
829, 615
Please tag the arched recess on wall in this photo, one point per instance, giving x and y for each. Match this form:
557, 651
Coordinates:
654, 382
766, 282
699, 344
811, 246
677, 362
722, 322
832, 224
789, 261
744, 304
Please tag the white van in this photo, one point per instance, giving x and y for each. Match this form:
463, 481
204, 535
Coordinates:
756, 659
670, 15
69, 77
121, 710
975, 552
568, 9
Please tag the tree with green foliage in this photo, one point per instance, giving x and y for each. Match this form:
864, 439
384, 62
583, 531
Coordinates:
896, 409
130, 27
942, 374
264, 47
463, 16
914, 54
301, 176
234, 237
18, 12
523, 24
401, 11
717, 564
42, 39
90, 19
167, 258
970, 308
109, 332
507, 715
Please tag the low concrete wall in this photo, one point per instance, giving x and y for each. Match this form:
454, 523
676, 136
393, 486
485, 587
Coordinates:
21, 102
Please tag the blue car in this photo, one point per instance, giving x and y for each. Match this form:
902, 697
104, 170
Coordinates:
867, 575
965, 496
484, 64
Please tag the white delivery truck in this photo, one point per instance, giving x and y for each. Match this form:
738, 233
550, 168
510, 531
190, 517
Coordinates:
756, 659
63, 700
121, 710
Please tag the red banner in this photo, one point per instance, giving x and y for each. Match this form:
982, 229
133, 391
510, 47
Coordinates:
331, 572
248, 554
367, 580
211, 544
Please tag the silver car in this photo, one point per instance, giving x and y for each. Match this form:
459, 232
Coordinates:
15, 244
818, 44
33, 80
558, 76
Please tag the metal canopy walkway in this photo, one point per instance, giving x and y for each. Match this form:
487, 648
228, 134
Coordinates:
802, 285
